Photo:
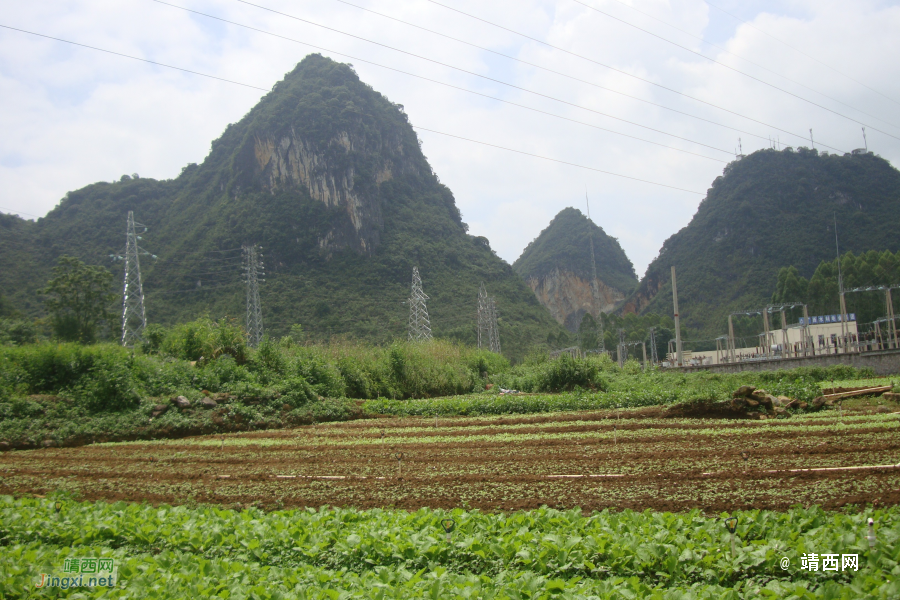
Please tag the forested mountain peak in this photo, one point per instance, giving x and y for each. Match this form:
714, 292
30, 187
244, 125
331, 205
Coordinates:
769, 210
327, 175
557, 265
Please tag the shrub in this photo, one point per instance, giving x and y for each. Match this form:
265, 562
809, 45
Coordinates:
296, 392
107, 385
206, 338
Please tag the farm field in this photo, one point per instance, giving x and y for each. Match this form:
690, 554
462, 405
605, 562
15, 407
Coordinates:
650, 458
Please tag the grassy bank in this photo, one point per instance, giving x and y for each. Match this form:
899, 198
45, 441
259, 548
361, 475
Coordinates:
69, 394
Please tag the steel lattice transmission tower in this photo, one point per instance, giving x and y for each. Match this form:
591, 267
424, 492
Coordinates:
495, 329
488, 330
253, 274
419, 325
134, 317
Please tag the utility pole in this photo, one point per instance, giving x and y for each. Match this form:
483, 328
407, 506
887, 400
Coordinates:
595, 285
253, 271
134, 317
892, 326
865, 141
678, 354
653, 354
837, 248
731, 337
811, 139
620, 354
419, 325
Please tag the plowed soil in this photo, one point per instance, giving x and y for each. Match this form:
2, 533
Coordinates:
633, 459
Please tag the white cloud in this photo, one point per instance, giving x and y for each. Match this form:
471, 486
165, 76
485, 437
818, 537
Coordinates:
72, 116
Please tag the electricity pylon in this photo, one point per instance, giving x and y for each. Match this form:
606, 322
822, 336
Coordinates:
484, 325
253, 273
495, 329
134, 317
419, 325
488, 330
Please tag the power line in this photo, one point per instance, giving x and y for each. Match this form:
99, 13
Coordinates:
738, 71
152, 62
461, 70
659, 85
726, 51
19, 212
414, 127
559, 161
555, 72
801, 52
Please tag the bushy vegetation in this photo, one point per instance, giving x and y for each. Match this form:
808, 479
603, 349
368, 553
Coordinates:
340, 553
821, 291
612, 387
71, 393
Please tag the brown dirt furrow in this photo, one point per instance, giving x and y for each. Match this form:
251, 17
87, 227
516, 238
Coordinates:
667, 466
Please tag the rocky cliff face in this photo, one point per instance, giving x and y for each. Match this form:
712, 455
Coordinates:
644, 294
559, 267
569, 297
332, 174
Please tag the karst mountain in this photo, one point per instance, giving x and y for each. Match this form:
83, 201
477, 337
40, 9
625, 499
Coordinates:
559, 268
327, 175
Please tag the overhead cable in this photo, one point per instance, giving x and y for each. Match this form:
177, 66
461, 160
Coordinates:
756, 64
422, 128
738, 71
555, 72
559, 161
501, 82
152, 62
626, 73
801, 52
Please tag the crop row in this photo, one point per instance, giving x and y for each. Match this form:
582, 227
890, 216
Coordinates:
603, 431
655, 548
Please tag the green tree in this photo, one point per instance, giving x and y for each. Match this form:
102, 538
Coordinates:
78, 298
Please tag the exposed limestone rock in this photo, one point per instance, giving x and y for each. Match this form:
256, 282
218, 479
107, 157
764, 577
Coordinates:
291, 161
569, 297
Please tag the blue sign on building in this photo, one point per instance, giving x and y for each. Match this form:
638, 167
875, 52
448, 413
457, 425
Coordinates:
826, 319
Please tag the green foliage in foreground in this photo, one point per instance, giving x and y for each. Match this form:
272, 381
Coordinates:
73, 394
614, 388
339, 553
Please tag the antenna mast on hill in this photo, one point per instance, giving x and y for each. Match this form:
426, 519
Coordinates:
134, 317
253, 271
595, 286
419, 325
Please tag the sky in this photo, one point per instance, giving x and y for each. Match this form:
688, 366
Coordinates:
571, 80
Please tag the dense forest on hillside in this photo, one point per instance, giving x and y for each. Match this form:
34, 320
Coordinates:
328, 177
565, 244
769, 210
821, 291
